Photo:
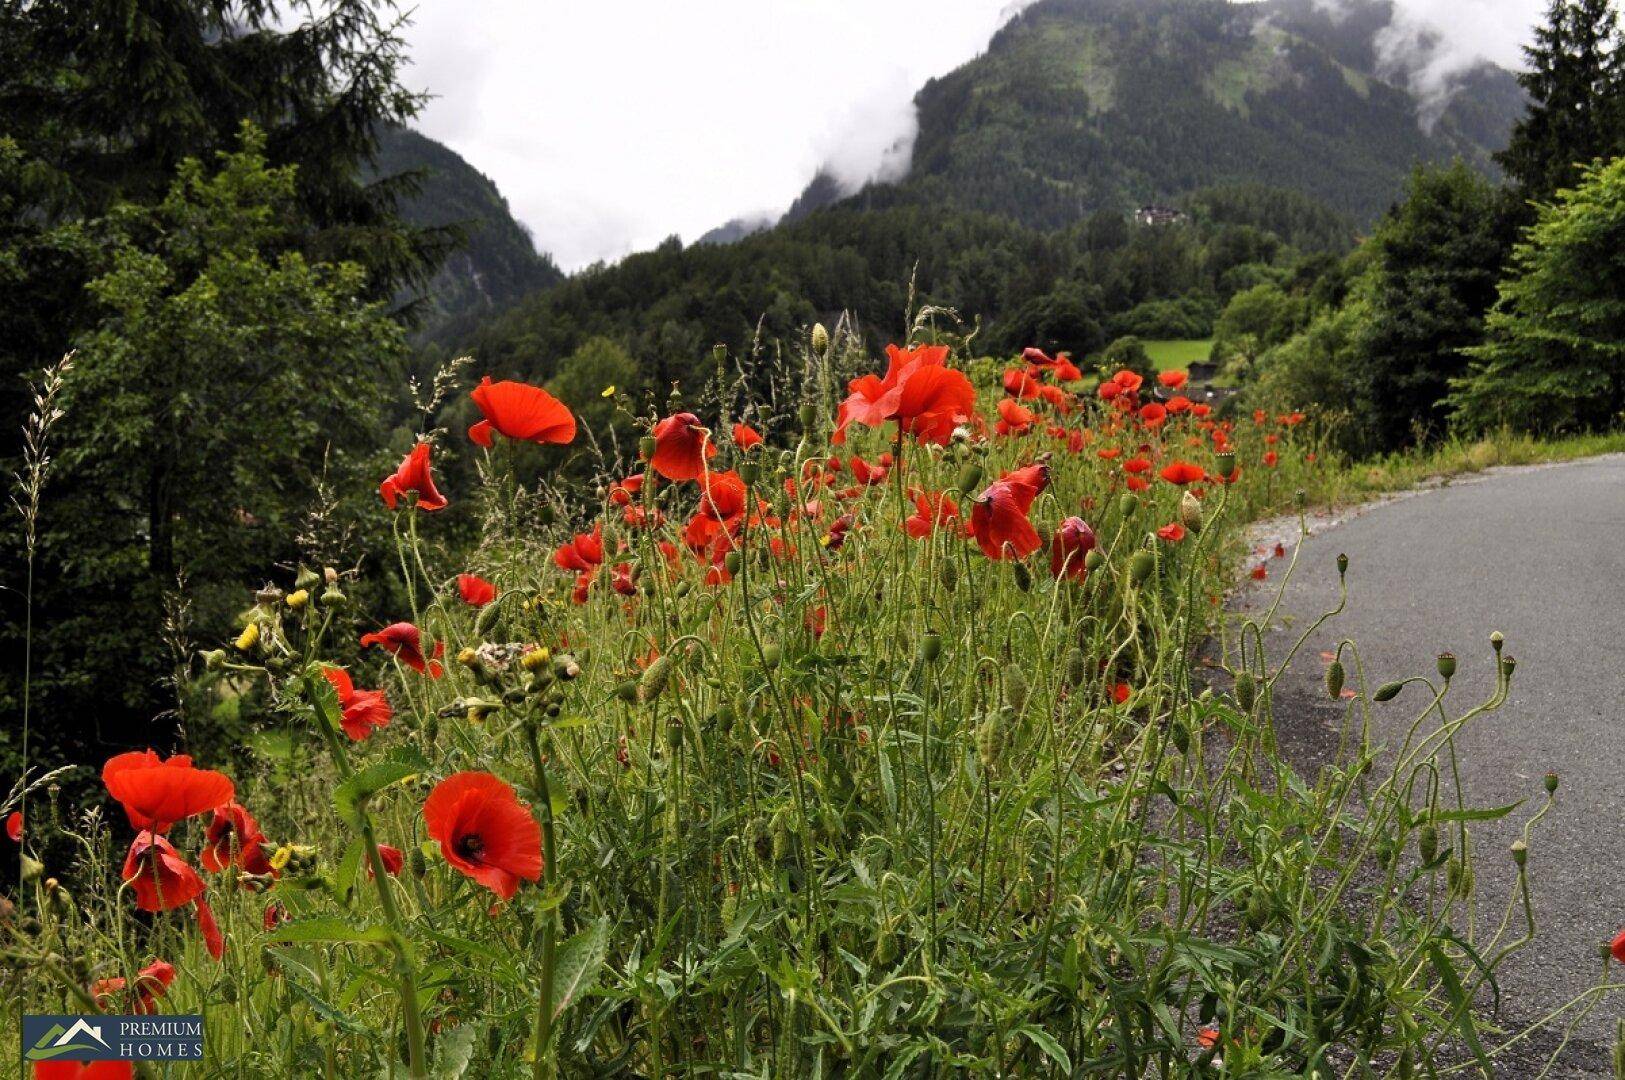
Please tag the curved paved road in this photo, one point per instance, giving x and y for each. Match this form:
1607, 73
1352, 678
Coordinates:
1539, 554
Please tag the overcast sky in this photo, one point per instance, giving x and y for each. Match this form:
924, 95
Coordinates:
612, 124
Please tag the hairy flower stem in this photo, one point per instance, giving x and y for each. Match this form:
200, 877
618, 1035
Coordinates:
415, 1058
543, 1065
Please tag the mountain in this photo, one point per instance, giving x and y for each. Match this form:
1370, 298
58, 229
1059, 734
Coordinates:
1083, 105
496, 264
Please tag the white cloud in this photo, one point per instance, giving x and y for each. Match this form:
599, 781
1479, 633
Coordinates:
613, 124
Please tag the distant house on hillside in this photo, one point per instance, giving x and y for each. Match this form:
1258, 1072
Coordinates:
1152, 214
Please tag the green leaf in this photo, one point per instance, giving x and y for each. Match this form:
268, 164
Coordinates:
1487, 814
1460, 1005
327, 1011
348, 796
344, 876
454, 1050
576, 967
333, 929
1046, 1042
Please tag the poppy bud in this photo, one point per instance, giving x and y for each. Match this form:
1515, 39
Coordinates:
749, 471
820, 338
249, 637
949, 574
1551, 783
30, 870
770, 657
1094, 560
806, 414
1301, 498
214, 659
1427, 842
1342, 565
417, 863
989, 740
930, 646
1180, 736
1127, 504
228, 991
1015, 688
969, 477
627, 690
1459, 876
654, 678
1024, 577
1246, 691
1140, 566
1077, 666
1334, 679
1446, 665
1387, 691
485, 619
732, 562
683, 588
1190, 511
332, 596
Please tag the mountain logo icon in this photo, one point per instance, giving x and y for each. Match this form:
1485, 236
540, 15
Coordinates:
58, 1041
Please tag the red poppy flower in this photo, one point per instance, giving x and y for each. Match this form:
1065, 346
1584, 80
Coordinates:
522, 412
1182, 472
233, 837
1074, 540
361, 711
1014, 418
1127, 380
475, 590
485, 831
159, 877
1173, 380
585, 552
151, 983
1121, 692
866, 474
1271, 458
932, 510
392, 859
1137, 465
210, 929
1173, 533
413, 477
14, 826
926, 398
1153, 415
1618, 948
405, 642
1208, 1037
1260, 572
624, 580
681, 447
999, 518
1066, 371
156, 793
1020, 383
83, 1070
1138, 483
746, 436
1178, 403
621, 494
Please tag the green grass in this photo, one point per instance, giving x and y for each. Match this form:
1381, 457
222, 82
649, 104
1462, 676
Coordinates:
1178, 353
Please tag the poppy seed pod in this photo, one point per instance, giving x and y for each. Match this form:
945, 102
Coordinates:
1507, 666
749, 471
930, 646
820, 338
1334, 679
674, 732
655, 677
1140, 566
1427, 842
1446, 664
1190, 511
1246, 691
1551, 783
1225, 461
806, 414
1387, 691
969, 477
1342, 565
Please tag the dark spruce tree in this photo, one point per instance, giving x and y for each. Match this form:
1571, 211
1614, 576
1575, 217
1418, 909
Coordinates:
102, 104
1576, 86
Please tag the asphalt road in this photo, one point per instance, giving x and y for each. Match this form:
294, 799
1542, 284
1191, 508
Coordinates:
1539, 554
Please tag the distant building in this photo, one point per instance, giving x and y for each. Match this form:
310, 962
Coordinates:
1160, 215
